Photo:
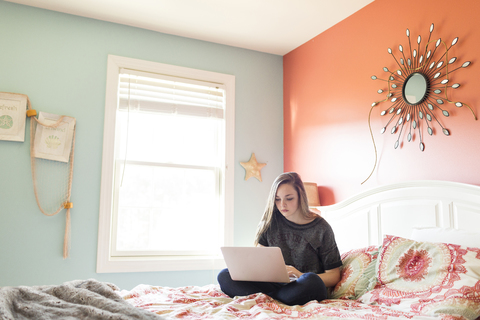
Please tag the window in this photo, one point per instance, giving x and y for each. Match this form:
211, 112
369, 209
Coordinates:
167, 172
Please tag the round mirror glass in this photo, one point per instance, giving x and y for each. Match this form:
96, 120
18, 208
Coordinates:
415, 88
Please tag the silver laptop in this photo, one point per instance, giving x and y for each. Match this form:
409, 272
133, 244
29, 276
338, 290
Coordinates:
264, 264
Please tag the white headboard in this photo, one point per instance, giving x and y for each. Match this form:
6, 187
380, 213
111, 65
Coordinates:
396, 209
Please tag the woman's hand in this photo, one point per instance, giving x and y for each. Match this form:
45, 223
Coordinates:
293, 273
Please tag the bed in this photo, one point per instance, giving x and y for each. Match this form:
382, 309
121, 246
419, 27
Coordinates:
410, 251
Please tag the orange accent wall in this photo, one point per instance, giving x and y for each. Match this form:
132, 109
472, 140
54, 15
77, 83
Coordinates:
328, 95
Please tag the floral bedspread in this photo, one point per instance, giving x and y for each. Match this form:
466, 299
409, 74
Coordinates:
209, 302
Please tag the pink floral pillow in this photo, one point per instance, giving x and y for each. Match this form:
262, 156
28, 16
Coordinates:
427, 278
357, 272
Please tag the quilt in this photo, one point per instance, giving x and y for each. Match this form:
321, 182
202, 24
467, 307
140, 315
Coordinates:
208, 302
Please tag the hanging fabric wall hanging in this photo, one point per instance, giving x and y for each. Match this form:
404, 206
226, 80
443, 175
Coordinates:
12, 116
52, 145
418, 90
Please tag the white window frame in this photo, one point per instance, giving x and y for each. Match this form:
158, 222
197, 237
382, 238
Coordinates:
106, 262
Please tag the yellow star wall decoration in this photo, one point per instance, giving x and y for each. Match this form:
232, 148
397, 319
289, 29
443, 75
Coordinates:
252, 168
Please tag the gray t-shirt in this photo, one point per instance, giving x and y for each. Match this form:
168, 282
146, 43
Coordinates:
308, 247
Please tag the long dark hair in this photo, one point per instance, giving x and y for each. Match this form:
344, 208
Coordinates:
293, 179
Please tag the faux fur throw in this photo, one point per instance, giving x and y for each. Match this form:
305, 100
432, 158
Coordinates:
79, 299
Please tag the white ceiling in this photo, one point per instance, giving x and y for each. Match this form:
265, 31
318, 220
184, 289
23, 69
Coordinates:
271, 26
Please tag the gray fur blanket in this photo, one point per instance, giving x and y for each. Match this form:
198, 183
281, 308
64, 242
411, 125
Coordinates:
79, 299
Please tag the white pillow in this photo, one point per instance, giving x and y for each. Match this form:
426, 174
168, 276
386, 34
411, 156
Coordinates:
447, 235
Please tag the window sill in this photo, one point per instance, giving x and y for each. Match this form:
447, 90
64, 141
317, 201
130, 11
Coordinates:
153, 264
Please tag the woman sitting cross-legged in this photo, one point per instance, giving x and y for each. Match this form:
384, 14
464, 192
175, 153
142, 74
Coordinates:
307, 243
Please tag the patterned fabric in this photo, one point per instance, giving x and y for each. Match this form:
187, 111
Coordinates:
427, 278
358, 273
208, 302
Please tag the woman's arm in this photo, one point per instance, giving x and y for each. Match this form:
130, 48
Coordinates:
329, 277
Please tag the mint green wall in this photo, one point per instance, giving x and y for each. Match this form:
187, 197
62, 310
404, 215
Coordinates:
59, 61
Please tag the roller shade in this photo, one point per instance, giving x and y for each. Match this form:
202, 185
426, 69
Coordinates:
153, 92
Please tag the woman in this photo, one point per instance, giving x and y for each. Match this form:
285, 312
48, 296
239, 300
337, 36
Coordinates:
307, 243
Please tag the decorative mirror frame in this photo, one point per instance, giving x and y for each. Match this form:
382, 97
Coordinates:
408, 112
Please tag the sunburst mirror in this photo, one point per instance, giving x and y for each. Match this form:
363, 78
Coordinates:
418, 90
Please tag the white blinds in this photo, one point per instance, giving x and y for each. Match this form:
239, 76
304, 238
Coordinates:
152, 92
